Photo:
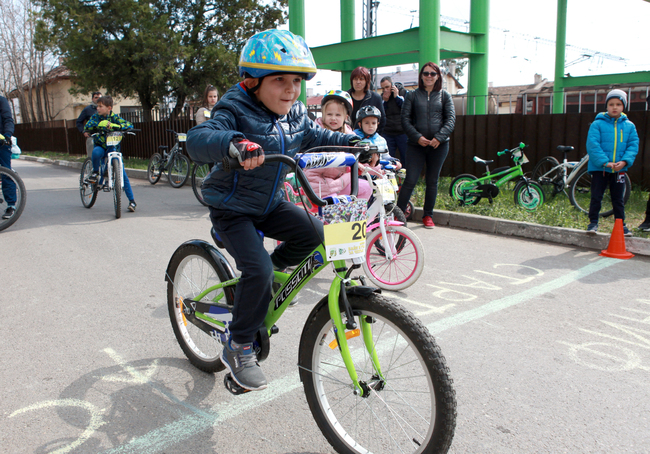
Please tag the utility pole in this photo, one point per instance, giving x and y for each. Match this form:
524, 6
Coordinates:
370, 29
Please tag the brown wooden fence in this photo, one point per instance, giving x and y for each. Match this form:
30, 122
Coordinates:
474, 135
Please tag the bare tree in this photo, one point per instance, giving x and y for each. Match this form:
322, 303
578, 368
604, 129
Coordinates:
23, 67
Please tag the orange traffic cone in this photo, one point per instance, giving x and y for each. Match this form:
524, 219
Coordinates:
616, 247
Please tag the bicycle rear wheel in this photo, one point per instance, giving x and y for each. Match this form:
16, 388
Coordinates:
179, 170
410, 406
155, 168
549, 176
406, 265
199, 173
580, 194
191, 271
87, 190
117, 188
9, 179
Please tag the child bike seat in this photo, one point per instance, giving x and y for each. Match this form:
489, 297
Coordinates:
164, 147
565, 148
482, 161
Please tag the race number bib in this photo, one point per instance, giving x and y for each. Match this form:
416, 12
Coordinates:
345, 240
386, 189
182, 137
111, 141
345, 228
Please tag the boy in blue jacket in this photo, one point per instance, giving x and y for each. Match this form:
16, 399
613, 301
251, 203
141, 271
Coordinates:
612, 145
259, 116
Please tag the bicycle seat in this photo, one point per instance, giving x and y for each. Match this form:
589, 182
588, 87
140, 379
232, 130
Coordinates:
565, 148
163, 146
482, 161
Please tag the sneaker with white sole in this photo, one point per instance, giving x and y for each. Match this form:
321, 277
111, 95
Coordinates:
241, 361
132, 206
626, 231
592, 228
645, 227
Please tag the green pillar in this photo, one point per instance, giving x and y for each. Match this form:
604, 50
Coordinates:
479, 25
297, 27
429, 33
347, 34
560, 47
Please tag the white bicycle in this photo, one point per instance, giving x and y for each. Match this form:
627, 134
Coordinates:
110, 173
555, 177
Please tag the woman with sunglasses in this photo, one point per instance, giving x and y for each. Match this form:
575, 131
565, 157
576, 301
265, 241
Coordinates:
428, 119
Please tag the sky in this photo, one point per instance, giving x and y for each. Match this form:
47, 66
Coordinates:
614, 35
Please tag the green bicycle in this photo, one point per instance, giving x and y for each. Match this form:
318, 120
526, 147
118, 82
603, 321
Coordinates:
374, 377
469, 190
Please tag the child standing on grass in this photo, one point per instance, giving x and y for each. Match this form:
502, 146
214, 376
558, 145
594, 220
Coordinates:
612, 145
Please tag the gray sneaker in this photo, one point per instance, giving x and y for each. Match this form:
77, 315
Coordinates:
592, 228
241, 361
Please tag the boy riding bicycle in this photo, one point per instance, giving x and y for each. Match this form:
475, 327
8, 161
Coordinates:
106, 120
257, 116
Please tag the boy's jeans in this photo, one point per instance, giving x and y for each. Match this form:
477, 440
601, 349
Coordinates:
8, 186
600, 181
287, 223
98, 154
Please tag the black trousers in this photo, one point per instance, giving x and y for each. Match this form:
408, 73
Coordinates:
600, 181
299, 232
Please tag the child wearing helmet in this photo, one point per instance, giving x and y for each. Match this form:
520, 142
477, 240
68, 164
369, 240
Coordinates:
336, 106
367, 122
258, 116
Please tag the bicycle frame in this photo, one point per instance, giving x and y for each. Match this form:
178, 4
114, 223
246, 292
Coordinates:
290, 285
504, 176
104, 169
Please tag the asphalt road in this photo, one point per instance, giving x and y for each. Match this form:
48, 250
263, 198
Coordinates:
549, 346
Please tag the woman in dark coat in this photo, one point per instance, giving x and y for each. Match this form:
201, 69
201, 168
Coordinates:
362, 95
428, 119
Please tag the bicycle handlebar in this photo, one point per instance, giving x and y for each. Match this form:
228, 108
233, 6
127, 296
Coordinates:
521, 146
230, 164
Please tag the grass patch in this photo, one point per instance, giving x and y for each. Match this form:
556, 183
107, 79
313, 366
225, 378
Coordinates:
129, 163
556, 211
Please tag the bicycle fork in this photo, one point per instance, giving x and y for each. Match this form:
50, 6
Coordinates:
337, 299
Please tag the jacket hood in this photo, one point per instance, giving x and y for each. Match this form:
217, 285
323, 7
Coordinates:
605, 117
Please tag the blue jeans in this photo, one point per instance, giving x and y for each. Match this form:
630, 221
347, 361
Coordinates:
8, 185
395, 143
98, 154
419, 156
600, 181
287, 223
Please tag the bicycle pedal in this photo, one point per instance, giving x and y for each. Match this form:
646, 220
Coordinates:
232, 386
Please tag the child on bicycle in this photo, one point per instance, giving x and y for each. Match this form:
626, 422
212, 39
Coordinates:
368, 118
259, 116
612, 145
105, 120
336, 106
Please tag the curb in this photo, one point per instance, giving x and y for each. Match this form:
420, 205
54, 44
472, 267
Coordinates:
559, 235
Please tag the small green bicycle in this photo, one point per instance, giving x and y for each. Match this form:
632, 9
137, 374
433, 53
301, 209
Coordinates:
469, 190
374, 377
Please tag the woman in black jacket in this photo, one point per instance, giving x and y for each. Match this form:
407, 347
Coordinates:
428, 119
362, 95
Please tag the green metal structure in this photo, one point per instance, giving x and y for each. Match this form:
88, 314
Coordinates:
428, 42
431, 42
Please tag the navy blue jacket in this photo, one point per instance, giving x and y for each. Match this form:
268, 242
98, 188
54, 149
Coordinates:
6, 118
258, 191
85, 114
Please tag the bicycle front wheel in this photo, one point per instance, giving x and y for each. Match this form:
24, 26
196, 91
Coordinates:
117, 188
410, 406
529, 196
199, 173
549, 176
580, 194
406, 264
155, 168
9, 179
87, 190
179, 170
192, 270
